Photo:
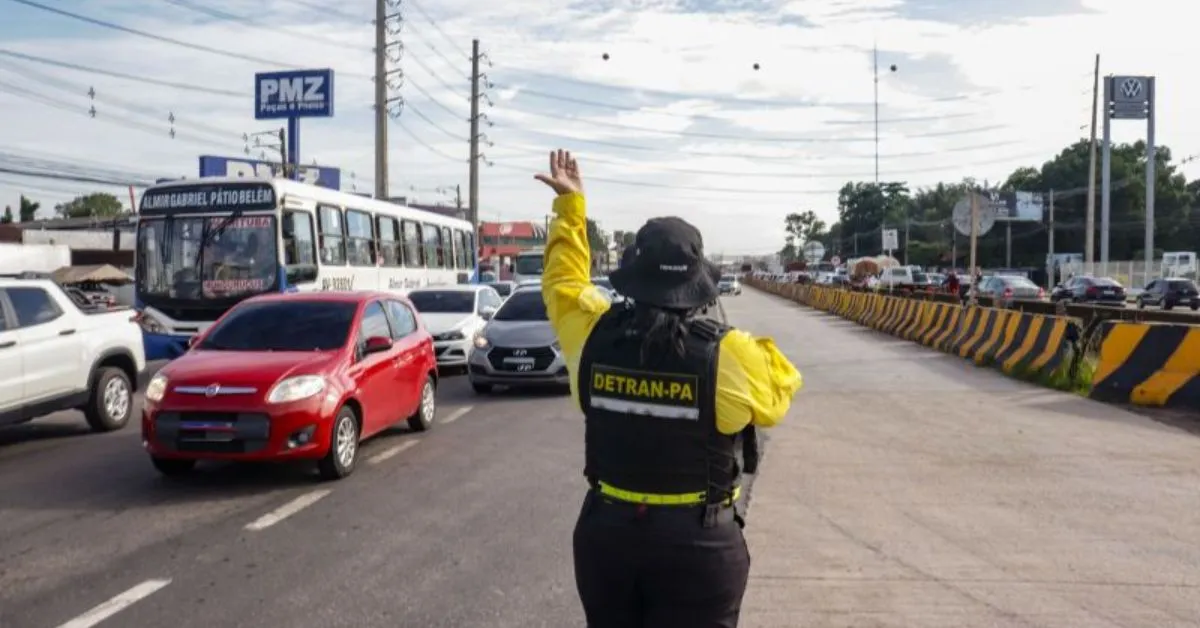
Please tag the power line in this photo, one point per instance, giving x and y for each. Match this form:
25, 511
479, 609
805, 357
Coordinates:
541, 152
168, 40
115, 119
812, 175
432, 22
122, 75
254, 23
773, 140
427, 146
676, 95
561, 138
79, 89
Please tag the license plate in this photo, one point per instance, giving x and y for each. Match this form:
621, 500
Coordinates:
519, 364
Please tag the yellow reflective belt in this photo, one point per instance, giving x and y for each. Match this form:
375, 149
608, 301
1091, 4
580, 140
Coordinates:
652, 499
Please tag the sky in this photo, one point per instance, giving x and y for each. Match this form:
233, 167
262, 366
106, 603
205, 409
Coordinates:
676, 121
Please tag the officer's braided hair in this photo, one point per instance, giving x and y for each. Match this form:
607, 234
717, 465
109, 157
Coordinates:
663, 331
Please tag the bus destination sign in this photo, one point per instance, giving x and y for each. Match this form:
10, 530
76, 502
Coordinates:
203, 198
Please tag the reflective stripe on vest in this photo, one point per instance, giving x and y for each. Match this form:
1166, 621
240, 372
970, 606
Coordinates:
651, 499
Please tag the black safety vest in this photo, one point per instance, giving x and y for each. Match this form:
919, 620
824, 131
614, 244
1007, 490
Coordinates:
652, 428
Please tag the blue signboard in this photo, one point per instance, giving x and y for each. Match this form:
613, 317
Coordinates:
212, 166
293, 94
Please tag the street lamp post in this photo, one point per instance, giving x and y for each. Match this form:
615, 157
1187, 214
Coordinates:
875, 56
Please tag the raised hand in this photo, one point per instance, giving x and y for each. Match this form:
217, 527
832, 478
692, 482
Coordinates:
564, 174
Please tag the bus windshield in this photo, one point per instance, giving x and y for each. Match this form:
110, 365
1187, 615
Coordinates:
206, 257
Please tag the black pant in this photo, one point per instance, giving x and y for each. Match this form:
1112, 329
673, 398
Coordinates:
658, 566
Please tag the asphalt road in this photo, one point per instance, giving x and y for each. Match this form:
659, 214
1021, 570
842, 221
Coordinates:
467, 525
907, 488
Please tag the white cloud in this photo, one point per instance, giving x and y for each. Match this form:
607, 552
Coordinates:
684, 115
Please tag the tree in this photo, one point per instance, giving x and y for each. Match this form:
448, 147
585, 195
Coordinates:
596, 239
865, 208
28, 209
8, 215
628, 238
97, 204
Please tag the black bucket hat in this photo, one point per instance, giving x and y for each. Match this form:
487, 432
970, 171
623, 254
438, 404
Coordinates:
666, 267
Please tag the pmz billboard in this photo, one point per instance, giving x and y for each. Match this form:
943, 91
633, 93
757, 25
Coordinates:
212, 166
293, 94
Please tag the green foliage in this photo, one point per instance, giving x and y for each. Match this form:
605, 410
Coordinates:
28, 209
596, 239
97, 205
865, 208
7, 217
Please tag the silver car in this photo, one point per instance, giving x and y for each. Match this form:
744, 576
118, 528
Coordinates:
517, 347
729, 284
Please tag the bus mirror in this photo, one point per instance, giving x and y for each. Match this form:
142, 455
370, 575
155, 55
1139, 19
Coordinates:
305, 273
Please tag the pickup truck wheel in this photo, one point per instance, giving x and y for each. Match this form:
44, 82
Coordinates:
111, 401
422, 419
172, 467
343, 446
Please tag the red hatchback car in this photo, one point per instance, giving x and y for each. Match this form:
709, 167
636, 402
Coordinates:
300, 376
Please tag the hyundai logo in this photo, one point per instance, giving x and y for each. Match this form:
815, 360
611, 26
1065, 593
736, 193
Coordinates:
1131, 88
520, 353
212, 390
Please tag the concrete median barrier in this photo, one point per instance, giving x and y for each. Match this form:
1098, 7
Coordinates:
1149, 364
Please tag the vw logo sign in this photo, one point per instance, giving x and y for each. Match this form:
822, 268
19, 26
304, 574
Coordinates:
1131, 88
212, 390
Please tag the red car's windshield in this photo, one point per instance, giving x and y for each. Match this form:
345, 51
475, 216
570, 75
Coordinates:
283, 326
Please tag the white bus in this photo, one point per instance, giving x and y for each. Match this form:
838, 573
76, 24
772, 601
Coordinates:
204, 245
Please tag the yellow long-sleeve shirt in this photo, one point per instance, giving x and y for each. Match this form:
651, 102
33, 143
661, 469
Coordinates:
755, 382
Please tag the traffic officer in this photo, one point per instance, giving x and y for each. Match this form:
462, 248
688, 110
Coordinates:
665, 395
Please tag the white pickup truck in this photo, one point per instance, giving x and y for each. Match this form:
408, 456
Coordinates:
57, 355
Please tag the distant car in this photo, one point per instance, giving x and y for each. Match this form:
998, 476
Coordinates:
299, 376
729, 284
453, 314
1010, 287
517, 347
502, 288
1168, 293
1090, 290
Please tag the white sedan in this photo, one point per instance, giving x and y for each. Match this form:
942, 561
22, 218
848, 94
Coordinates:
453, 314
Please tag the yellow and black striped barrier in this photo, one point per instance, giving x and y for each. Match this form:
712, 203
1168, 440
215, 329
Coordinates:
1018, 343
1149, 364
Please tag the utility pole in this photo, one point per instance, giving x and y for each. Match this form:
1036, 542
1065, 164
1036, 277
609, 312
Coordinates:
458, 196
1090, 240
478, 82
875, 56
381, 97
1050, 265
974, 239
907, 221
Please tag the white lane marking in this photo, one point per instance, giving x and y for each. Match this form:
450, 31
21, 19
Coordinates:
116, 604
287, 510
391, 451
457, 414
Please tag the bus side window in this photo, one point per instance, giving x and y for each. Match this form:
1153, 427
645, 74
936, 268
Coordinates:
389, 241
433, 247
360, 245
414, 255
462, 250
447, 244
299, 243
333, 236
